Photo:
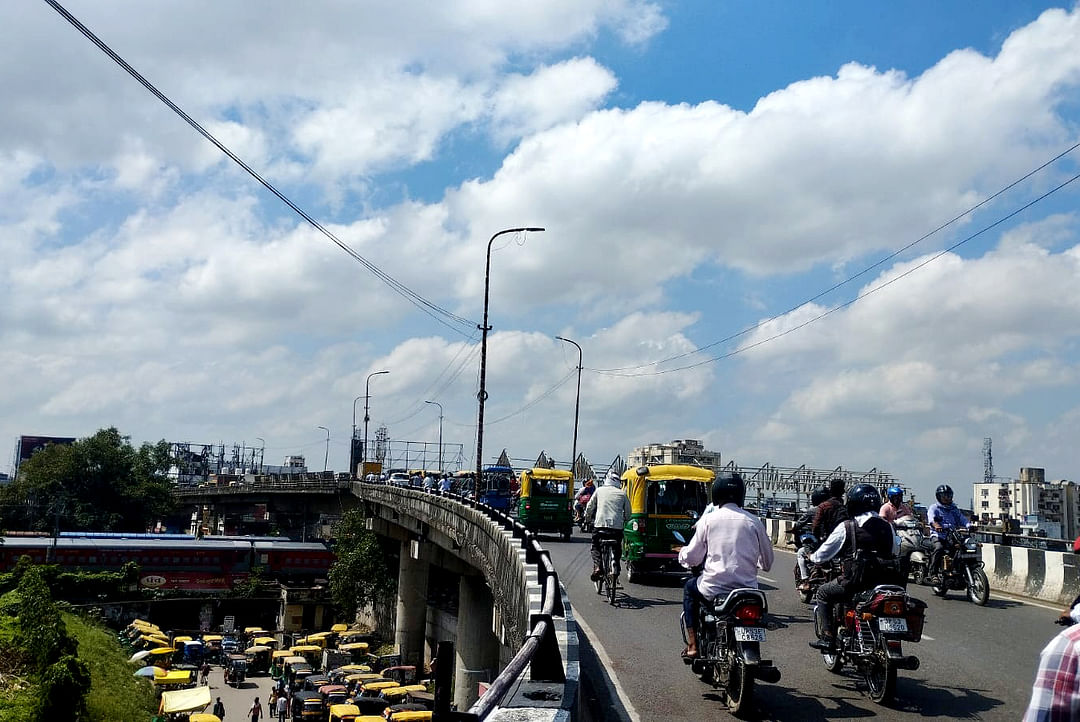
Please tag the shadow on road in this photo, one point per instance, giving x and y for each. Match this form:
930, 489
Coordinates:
930, 700
628, 602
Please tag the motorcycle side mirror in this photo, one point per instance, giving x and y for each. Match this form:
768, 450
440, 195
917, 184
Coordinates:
678, 537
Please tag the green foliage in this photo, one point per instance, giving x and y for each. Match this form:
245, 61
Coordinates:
360, 574
40, 631
248, 588
64, 684
114, 694
75, 586
100, 483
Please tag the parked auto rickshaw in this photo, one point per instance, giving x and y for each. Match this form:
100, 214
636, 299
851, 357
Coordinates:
425, 699
174, 679
236, 668
373, 688
337, 676
194, 651
258, 659
307, 707
357, 651
161, 656
547, 501
663, 499
344, 713
409, 713
314, 681
333, 694
264, 641
371, 706
354, 681
296, 669
320, 639
212, 643
402, 674
400, 695
203, 717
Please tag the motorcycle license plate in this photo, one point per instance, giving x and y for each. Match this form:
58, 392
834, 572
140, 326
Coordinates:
749, 634
892, 624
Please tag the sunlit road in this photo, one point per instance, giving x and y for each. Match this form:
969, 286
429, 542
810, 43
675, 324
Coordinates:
977, 662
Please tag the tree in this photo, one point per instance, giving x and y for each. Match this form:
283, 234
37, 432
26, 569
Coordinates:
100, 483
360, 574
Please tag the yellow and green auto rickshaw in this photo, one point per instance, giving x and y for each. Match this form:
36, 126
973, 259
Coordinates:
663, 499
547, 501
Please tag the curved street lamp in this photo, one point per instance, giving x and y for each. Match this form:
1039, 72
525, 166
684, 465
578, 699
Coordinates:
326, 457
367, 399
484, 328
436, 403
577, 405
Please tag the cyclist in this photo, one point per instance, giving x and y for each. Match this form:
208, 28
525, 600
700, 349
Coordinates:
608, 510
730, 543
943, 516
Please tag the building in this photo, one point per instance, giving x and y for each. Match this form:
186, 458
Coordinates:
1051, 507
679, 451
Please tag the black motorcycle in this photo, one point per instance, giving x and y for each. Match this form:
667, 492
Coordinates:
962, 568
819, 573
729, 634
870, 630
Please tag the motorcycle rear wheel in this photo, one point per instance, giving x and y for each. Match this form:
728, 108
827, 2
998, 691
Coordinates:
979, 589
880, 675
740, 686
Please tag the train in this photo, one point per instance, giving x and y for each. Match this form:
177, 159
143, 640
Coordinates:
177, 561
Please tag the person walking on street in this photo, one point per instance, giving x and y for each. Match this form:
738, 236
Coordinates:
205, 672
282, 708
256, 710
219, 709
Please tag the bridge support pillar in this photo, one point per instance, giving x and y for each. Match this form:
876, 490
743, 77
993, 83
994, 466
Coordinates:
411, 606
477, 649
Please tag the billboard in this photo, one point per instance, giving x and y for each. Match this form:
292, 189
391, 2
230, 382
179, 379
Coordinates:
29, 445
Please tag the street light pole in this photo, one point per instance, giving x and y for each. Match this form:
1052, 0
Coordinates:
484, 328
577, 406
436, 403
367, 399
352, 440
326, 457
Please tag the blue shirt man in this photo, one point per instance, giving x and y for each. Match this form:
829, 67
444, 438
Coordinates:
945, 516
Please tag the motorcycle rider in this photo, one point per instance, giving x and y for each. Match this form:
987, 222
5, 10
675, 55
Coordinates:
802, 526
863, 530
830, 512
730, 543
581, 500
943, 516
894, 509
609, 510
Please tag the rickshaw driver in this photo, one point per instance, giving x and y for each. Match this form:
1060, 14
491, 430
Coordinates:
609, 508
731, 544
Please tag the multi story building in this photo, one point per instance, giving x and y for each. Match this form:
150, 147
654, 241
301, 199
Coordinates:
679, 451
1052, 507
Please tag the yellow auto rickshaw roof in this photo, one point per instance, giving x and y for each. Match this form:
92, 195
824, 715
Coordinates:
174, 676
411, 716
305, 648
340, 710
163, 650
415, 688
212, 638
369, 718
394, 692
204, 717
281, 653
339, 627
252, 630
667, 472
319, 635
540, 473
380, 684
351, 646
265, 641
257, 649
296, 660
182, 638
353, 668
365, 677
153, 638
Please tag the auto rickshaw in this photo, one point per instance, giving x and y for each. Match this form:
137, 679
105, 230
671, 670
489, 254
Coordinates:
337, 676
213, 647
333, 694
355, 650
425, 699
174, 679
663, 499
203, 717
277, 662
307, 707
258, 659
400, 695
236, 669
494, 488
296, 669
311, 652
344, 713
371, 706
270, 642
194, 651
373, 688
320, 639
547, 501
409, 713
161, 656
314, 681
355, 681
402, 673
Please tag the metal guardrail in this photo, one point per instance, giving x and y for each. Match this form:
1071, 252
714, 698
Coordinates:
320, 486
540, 651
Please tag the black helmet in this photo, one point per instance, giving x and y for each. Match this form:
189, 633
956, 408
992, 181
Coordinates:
819, 496
728, 487
863, 498
942, 491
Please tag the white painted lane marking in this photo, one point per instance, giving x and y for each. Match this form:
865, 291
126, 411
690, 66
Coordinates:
764, 578
606, 660
928, 637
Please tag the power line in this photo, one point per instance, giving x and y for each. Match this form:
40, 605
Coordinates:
440, 314
849, 279
852, 301
526, 407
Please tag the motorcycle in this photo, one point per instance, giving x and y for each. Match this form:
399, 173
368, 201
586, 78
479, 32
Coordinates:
729, 634
584, 524
962, 568
819, 574
870, 630
916, 549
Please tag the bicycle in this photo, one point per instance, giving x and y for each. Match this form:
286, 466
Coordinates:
608, 577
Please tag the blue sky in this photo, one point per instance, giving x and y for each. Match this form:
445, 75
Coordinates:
700, 168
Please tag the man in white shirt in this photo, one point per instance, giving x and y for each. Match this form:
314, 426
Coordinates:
731, 543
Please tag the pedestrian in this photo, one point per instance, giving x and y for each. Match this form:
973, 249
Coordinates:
282, 708
205, 672
256, 710
219, 709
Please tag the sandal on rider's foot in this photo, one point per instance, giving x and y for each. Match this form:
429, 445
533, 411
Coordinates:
687, 656
823, 645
